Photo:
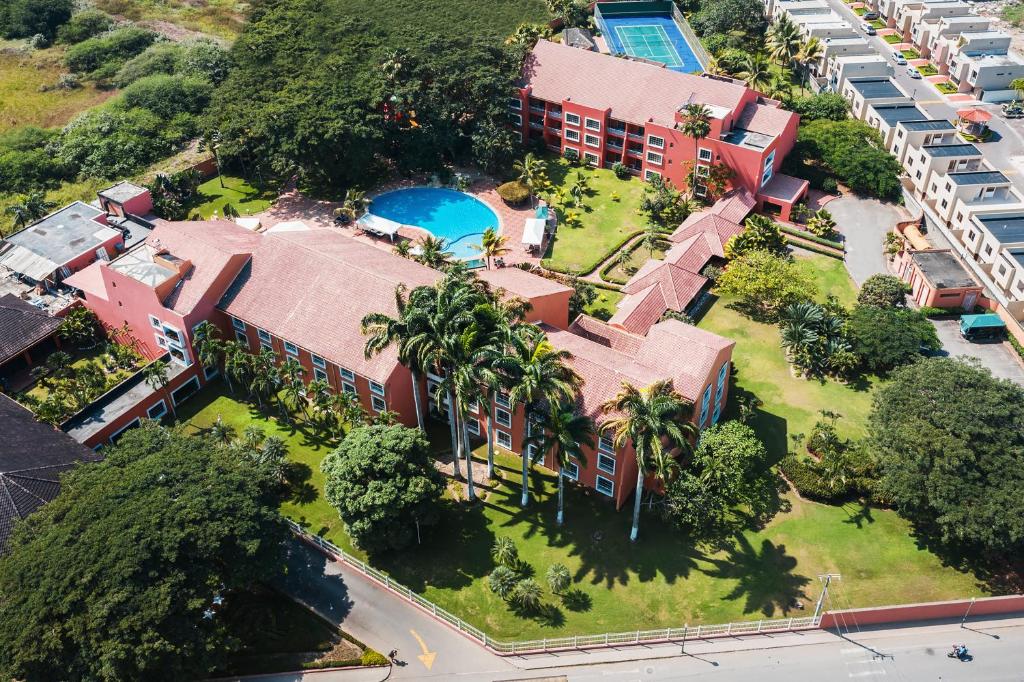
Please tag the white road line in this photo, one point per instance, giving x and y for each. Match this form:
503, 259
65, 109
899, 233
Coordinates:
868, 673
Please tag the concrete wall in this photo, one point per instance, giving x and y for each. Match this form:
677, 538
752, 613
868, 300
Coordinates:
985, 606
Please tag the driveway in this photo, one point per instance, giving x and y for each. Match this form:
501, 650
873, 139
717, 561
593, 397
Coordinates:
863, 223
997, 357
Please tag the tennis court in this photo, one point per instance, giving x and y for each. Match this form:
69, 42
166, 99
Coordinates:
648, 42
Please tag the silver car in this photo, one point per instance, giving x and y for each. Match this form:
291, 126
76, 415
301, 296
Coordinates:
913, 72
899, 59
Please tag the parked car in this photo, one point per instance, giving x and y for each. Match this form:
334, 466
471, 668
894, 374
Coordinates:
899, 59
868, 28
871, 15
1013, 109
913, 72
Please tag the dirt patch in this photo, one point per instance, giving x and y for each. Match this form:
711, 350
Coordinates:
172, 31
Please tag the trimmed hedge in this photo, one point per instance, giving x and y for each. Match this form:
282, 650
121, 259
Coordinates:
815, 249
805, 479
812, 237
513, 192
546, 263
370, 658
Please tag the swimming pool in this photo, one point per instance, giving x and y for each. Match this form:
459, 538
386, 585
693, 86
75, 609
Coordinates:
456, 217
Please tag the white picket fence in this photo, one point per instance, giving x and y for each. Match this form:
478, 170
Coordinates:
553, 643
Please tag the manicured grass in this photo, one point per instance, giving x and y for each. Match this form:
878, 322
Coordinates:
928, 70
893, 39
605, 304
212, 198
946, 87
911, 53
604, 223
638, 255
22, 102
661, 581
877, 23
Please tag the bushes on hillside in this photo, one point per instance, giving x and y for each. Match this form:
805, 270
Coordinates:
26, 18
84, 25
202, 58
25, 162
168, 96
102, 56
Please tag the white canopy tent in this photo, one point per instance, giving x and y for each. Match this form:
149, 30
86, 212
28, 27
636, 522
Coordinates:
533, 232
378, 225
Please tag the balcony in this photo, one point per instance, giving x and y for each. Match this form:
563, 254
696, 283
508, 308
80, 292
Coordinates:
616, 146
636, 136
555, 130
618, 132
555, 114
537, 108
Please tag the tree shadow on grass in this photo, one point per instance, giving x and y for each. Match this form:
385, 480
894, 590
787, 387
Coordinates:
577, 600
765, 578
548, 615
995, 573
858, 514
300, 490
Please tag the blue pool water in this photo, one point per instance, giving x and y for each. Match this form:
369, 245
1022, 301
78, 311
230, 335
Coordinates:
454, 216
650, 36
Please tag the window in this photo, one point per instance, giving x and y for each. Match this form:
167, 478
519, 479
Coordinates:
572, 119
241, 337
605, 485
722, 373
516, 118
473, 425
504, 439
655, 158
571, 153
702, 171
591, 158
319, 374
264, 335
988, 250
716, 414
655, 141
155, 322
572, 135
704, 403
347, 374
502, 400
210, 372
238, 324
768, 167
378, 404
266, 346
291, 348
704, 154
592, 140
593, 125
503, 418
515, 104
959, 217
116, 436
1002, 268
648, 174
348, 388
161, 341
185, 391
606, 463
571, 470
376, 388
158, 410
318, 361
606, 444
971, 235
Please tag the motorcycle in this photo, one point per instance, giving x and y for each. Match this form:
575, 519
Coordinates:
960, 653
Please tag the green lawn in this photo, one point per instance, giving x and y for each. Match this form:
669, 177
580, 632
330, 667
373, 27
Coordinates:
605, 304
661, 581
893, 39
638, 255
244, 198
604, 223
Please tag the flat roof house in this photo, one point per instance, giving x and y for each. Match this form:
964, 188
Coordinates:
956, 196
863, 91
928, 163
886, 117
604, 109
986, 76
915, 133
938, 280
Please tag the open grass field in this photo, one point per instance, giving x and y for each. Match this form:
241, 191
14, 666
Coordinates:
605, 304
22, 102
661, 581
211, 198
604, 223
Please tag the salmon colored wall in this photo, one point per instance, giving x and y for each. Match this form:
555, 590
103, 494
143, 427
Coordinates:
552, 309
113, 246
985, 606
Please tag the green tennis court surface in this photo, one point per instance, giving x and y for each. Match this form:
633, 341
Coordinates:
648, 42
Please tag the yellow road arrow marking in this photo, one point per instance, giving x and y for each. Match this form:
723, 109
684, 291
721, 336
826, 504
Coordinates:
427, 657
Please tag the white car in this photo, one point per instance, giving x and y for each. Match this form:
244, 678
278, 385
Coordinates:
913, 72
899, 59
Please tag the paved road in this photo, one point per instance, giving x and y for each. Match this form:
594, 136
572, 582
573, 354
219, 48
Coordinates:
864, 222
998, 357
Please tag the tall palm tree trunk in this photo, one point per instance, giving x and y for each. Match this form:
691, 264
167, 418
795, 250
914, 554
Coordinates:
454, 428
561, 488
416, 399
636, 506
490, 439
470, 490
526, 460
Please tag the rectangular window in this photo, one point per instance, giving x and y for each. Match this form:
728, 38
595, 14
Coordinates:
592, 140
347, 374
185, 391
349, 388
606, 444
155, 322
503, 418
571, 153
473, 407
704, 154
378, 404
210, 372
648, 174
605, 485
716, 414
161, 341
264, 335
704, 404
572, 119
516, 118
130, 425
572, 135
376, 388
291, 348
590, 158
593, 125
722, 372
702, 171
571, 470
606, 463
515, 104
502, 400
318, 361
319, 374
242, 338
473, 425
238, 324
266, 346
655, 158
655, 141
504, 439
158, 410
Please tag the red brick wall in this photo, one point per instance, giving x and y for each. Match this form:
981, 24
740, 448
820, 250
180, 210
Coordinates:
985, 606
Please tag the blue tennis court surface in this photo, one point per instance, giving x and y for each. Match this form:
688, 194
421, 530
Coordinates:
651, 36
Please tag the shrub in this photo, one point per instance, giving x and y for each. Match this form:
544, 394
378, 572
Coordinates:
504, 552
621, 170
168, 96
110, 50
156, 59
371, 657
107, 143
527, 593
806, 479
24, 18
885, 291
84, 25
514, 192
203, 58
803, 234
502, 581
829, 185
558, 578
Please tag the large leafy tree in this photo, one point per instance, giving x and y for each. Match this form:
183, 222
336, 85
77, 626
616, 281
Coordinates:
119, 577
765, 283
744, 17
26, 18
885, 291
886, 338
384, 485
850, 150
949, 438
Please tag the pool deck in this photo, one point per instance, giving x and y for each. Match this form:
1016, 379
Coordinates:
292, 205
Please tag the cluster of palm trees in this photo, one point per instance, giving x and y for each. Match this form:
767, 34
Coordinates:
816, 340
484, 353
433, 251
786, 47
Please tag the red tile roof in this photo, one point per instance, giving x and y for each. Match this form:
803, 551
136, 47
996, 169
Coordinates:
735, 205
761, 118
784, 187
314, 287
634, 91
521, 283
22, 325
695, 252
657, 287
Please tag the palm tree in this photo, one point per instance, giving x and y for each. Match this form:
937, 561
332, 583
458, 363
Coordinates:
403, 248
783, 40
433, 252
562, 434
221, 432
492, 245
236, 364
355, 203
697, 125
384, 331
530, 172
467, 382
653, 419
1018, 85
206, 341
157, 376
755, 72
31, 208
811, 52
537, 372
651, 239
264, 377
294, 386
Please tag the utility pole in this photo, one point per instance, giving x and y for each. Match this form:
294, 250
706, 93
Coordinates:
969, 607
827, 579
